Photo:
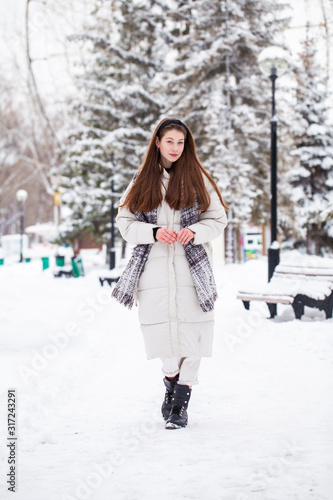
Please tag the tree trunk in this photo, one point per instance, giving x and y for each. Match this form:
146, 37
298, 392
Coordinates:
123, 249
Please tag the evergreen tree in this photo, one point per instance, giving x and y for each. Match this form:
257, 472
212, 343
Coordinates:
115, 108
217, 87
196, 60
312, 178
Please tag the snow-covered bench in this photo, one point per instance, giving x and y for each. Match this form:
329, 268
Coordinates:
109, 277
61, 271
297, 285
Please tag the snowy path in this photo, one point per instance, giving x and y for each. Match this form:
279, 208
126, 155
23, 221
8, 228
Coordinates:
89, 425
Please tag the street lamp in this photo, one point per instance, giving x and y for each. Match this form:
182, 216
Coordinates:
21, 196
273, 62
55, 183
112, 260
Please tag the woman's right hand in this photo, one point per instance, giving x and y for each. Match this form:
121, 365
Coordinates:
166, 236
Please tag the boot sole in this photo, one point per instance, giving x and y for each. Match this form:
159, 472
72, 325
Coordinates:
171, 425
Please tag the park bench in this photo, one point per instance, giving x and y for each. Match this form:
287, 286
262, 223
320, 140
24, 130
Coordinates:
66, 271
308, 284
109, 277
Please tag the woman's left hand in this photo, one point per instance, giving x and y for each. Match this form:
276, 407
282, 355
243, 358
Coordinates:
185, 235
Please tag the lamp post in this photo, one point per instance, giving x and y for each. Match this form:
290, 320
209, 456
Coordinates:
55, 183
112, 260
273, 62
21, 196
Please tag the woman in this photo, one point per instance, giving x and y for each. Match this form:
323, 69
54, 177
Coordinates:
172, 210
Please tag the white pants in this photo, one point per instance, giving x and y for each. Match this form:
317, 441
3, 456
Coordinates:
188, 369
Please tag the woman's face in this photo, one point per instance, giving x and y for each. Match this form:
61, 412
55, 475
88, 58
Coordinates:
171, 147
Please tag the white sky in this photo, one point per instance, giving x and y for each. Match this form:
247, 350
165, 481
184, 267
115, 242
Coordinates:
53, 20
310, 11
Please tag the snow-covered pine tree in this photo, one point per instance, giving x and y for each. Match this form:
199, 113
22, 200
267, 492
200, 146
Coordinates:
312, 178
115, 108
215, 84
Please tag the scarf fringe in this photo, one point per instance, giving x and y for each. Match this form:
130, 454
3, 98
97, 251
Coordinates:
208, 304
123, 298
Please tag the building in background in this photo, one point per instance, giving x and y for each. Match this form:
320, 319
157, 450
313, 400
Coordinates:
252, 242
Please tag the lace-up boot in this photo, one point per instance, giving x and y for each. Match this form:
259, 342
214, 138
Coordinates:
166, 405
178, 414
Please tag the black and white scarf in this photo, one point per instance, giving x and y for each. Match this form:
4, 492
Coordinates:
197, 258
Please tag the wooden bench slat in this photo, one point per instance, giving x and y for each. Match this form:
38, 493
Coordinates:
271, 299
283, 275
311, 273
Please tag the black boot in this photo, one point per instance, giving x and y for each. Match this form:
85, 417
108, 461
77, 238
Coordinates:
178, 415
166, 406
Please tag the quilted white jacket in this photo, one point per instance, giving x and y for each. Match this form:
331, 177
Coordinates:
172, 321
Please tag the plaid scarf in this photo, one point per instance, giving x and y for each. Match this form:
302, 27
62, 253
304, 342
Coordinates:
200, 267
197, 258
126, 286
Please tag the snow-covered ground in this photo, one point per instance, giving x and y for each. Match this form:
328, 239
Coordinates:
89, 423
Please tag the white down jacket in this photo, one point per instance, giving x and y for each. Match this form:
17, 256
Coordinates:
172, 321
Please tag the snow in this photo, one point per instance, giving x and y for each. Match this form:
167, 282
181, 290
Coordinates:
285, 289
297, 274
89, 424
327, 162
295, 259
314, 129
275, 245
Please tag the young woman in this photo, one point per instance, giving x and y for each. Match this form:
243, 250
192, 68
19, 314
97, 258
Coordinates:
171, 211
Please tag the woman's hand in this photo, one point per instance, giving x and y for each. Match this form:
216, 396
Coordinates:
166, 236
185, 235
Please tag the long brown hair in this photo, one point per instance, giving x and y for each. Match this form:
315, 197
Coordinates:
186, 176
